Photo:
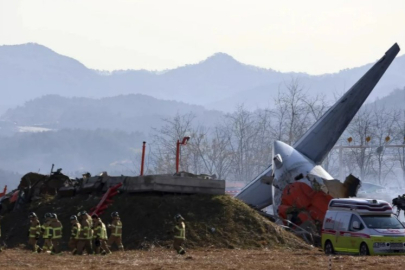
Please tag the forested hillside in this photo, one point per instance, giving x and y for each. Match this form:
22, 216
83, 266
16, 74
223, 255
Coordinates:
129, 113
73, 150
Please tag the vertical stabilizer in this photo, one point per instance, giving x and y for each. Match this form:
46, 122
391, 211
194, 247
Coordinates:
323, 135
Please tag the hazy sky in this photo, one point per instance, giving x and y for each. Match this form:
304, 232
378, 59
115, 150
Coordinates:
309, 36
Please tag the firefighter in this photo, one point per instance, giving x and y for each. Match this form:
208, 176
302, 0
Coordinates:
90, 221
74, 236
116, 232
100, 236
89, 242
46, 230
85, 235
34, 232
57, 227
179, 234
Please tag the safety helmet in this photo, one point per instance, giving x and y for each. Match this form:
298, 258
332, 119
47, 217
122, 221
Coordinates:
73, 217
47, 215
54, 215
178, 217
32, 215
81, 213
115, 214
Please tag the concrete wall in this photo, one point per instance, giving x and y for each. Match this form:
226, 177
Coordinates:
165, 183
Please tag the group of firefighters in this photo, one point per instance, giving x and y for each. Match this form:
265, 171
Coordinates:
87, 232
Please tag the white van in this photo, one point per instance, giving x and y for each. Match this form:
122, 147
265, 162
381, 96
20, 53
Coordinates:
362, 226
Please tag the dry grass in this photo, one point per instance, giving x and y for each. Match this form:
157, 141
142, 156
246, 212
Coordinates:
197, 259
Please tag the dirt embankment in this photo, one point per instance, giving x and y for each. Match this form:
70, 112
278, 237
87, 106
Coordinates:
212, 221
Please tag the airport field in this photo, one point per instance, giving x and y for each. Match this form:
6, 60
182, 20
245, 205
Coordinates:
160, 258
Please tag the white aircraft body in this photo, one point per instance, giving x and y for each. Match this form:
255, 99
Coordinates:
301, 162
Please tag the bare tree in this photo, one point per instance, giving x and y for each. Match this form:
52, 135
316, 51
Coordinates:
263, 143
360, 128
242, 129
316, 106
399, 154
295, 111
383, 129
207, 151
291, 112
164, 142
213, 149
221, 155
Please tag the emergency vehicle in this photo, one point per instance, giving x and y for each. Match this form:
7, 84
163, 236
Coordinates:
362, 226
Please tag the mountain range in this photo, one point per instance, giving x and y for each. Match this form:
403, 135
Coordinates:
29, 71
129, 113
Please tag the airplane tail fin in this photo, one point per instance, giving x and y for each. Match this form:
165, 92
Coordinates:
323, 135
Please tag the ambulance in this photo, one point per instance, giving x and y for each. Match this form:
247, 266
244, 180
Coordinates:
362, 226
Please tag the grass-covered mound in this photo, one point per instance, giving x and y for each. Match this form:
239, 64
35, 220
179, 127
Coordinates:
212, 221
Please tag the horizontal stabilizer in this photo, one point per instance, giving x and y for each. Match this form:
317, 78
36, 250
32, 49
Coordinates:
256, 193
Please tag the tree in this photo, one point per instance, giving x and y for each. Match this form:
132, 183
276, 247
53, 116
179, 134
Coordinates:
383, 126
242, 129
295, 111
164, 143
399, 154
213, 149
291, 112
359, 129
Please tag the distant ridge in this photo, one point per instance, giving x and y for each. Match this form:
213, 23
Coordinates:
131, 113
220, 82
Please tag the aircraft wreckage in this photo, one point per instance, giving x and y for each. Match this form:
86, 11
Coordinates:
295, 183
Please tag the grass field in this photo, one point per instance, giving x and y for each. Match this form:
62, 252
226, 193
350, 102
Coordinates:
197, 259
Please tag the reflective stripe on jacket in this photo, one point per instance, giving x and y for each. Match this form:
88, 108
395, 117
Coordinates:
90, 221
57, 233
57, 229
46, 229
116, 228
100, 231
75, 231
84, 231
35, 228
180, 231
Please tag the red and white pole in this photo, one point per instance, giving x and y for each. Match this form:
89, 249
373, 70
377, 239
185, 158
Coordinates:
143, 157
177, 156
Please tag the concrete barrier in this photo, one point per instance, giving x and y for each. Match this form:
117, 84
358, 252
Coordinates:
162, 183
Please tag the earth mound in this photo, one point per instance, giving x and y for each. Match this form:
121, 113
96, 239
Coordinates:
212, 221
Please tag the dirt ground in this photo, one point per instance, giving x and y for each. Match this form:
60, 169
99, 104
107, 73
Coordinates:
159, 258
